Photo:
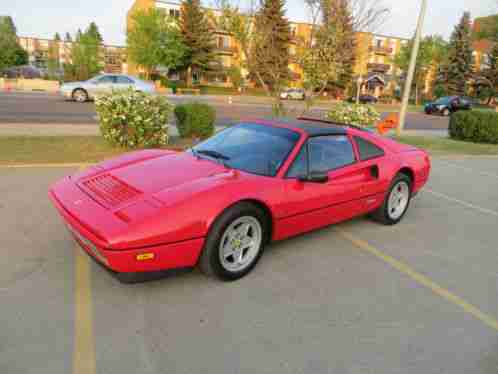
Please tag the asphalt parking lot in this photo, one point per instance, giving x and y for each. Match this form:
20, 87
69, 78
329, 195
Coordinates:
419, 297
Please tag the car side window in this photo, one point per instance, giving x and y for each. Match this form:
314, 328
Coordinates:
123, 80
107, 79
329, 153
367, 150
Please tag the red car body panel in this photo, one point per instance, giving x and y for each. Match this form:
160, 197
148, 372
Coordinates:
163, 204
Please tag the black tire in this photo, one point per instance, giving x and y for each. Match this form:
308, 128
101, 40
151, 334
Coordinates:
382, 214
210, 263
80, 95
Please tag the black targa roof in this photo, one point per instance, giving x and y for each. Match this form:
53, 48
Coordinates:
314, 127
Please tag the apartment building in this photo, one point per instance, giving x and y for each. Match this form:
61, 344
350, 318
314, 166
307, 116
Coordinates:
481, 46
41, 50
374, 52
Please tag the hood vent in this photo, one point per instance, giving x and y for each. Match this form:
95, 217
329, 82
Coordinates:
110, 190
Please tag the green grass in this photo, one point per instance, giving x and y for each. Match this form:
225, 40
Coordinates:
397, 108
89, 149
61, 149
446, 146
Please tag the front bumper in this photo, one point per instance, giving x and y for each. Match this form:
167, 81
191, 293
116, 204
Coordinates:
155, 258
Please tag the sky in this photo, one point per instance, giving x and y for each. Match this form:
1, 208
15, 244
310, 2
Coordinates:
45, 18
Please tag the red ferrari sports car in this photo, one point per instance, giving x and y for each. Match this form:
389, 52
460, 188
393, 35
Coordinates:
219, 203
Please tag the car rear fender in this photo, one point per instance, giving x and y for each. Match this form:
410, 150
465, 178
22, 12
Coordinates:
417, 165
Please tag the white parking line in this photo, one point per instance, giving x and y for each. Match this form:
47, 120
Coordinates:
461, 202
469, 169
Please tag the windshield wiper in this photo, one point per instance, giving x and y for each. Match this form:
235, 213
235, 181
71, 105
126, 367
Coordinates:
195, 153
214, 154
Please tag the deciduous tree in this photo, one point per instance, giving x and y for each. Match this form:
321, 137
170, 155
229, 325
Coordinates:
86, 55
53, 61
155, 41
328, 57
11, 53
432, 53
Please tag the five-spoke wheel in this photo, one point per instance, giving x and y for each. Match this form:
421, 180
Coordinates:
235, 242
396, 202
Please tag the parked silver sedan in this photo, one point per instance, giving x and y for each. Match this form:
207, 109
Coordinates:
293, 94
87, 90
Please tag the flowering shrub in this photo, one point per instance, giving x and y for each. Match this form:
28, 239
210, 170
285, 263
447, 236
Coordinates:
133, 119
354, 114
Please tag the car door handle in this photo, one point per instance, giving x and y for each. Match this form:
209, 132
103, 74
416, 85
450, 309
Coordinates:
374, 171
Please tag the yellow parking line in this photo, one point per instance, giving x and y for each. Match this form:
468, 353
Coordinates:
423, 280
48, 165
84, 344
84, 340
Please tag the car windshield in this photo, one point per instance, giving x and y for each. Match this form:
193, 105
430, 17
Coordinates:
95, 79
253, 148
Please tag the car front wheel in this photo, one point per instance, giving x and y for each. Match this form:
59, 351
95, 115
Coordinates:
396, 202
235, 242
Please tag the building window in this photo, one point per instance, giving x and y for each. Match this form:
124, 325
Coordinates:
293, 30
223, 42
175, 13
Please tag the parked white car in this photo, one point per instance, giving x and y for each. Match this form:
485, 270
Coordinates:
293, 94
83, 91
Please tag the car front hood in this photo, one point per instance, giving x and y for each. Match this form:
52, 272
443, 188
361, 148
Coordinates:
152, 176
118, 186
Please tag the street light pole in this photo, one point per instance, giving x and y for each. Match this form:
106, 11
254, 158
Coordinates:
358, 89
411, 68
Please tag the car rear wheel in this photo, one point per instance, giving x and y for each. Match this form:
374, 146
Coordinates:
396, 202
235, 242
80, 96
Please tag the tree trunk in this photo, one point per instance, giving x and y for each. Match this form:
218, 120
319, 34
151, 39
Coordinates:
258, 75
416, 93
189, 77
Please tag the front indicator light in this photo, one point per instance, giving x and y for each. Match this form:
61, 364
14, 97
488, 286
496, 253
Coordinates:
145, 256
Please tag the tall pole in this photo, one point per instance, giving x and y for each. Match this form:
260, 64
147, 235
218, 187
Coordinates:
411, 68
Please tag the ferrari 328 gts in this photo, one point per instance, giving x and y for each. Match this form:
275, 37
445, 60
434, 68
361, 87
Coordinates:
219, 203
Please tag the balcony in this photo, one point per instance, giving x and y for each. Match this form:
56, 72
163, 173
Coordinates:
225, 50
379, 68
381, 50
294, 76
293, 58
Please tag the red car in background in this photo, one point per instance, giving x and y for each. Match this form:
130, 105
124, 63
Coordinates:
219, 203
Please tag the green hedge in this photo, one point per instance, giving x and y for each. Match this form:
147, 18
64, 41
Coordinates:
195, 120
474, 126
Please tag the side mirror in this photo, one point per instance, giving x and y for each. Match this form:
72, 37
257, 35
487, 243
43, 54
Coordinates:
314, 177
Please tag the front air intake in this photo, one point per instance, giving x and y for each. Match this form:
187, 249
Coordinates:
110, 190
